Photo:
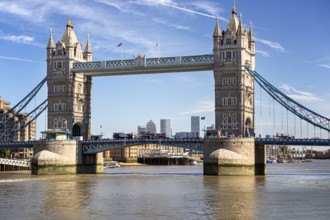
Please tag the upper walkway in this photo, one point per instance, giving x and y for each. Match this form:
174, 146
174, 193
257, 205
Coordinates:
142, 65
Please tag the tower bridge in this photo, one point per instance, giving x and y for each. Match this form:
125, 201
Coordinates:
70, 70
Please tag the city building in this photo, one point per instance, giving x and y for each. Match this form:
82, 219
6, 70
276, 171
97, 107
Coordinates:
141, 129
13, 130
151, 127
165, 127
195, 125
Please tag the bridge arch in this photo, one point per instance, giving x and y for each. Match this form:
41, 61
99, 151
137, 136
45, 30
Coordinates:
76, 130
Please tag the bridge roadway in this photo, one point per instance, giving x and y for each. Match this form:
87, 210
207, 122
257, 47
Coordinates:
92, 147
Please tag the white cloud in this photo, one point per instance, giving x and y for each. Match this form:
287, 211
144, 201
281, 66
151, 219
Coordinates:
299, 95
202, 106
263, 53
24, 39
160, 21
327, 66
274, 45
17, 59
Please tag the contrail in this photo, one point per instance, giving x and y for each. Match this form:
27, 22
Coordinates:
188, 10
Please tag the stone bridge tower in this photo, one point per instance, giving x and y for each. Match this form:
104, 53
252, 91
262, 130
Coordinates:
69, 94
234, 87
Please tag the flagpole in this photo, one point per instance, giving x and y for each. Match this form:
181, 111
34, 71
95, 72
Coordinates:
158, 47
121, 55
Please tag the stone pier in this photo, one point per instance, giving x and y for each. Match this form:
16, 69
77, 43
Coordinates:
63, 157
229, 156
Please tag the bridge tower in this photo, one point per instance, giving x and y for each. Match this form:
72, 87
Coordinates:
234, 87
69, 94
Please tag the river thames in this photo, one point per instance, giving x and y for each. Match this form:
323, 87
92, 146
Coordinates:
289, 191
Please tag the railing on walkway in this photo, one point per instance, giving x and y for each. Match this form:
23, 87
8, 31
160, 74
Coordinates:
295, 141
17, 144
92, 147
17, 163
142, 65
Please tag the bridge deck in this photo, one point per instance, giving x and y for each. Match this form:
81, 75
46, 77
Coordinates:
142, 65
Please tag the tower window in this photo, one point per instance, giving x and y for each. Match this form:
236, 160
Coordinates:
229, 81
228, 54
228, 40
234, 81
223, 81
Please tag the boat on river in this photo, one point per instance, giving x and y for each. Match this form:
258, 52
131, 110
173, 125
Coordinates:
111, 164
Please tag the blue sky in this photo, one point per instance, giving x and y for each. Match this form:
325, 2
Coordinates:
292, 43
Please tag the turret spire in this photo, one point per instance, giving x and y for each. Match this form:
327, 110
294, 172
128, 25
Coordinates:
69, 24
50, 44
234, 8
88, 48
217, 30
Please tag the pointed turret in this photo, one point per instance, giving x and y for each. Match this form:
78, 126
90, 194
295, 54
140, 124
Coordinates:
217, 30
88, 50
251, 36
69, 37
233, 23
240, 29
233, 11
50, 44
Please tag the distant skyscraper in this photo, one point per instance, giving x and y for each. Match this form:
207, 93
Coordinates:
165, 127
195, 124
151, 127
141, 129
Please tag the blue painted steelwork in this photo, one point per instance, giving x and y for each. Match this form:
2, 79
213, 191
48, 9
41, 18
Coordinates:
92, 147
7, 117
291, 105
18, 144
300, 142
20, 125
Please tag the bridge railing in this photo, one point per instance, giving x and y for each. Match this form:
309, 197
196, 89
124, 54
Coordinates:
18, 163
91, 147
294, 141
145, 62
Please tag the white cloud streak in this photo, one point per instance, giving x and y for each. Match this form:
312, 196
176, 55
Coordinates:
202, 106
263, 53
327, 66
274, 45
17, 59
298, 95
24, 39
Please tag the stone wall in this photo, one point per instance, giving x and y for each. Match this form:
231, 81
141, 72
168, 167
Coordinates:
63, 157
229, 156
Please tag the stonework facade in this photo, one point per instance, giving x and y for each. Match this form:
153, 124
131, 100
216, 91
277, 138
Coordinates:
234, 49
13, 130
68, 93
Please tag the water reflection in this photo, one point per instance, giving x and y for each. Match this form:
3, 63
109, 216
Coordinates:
231, 197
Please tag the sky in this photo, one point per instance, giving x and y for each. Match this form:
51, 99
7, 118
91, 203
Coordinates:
292, 52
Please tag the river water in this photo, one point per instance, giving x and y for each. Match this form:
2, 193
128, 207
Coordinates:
289, 191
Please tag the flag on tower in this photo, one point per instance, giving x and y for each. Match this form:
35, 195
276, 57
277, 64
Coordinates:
120, 44
203, 118
157, 44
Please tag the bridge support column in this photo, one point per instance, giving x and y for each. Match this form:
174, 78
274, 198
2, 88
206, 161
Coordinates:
260, 159
63, 157
229, 156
